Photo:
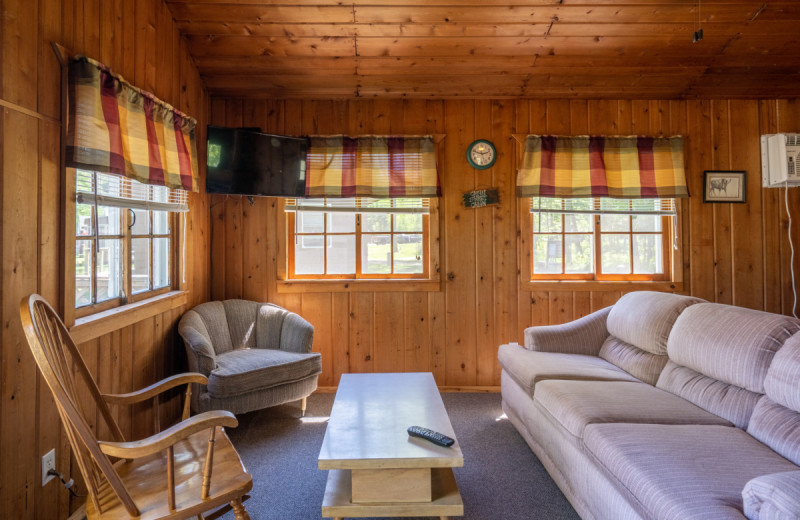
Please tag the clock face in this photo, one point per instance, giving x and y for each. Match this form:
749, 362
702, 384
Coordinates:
481, 154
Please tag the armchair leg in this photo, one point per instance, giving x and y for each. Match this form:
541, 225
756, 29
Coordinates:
303, 403
239, 512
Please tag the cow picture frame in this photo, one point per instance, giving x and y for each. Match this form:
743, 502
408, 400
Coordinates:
724, 186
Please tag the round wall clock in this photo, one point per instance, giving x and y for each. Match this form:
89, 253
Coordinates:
481, 154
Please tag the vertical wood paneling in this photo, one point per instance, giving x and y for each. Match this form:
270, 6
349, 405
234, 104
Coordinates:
746, 218
454, 332
19, 277
723, 239
460, 255
484, 258
140, 41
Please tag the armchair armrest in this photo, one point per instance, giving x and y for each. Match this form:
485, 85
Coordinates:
201, 354
156, 388
167, 438
297, 335
582, 336
772, 497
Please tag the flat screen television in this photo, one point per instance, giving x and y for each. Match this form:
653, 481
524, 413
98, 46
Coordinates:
245, 161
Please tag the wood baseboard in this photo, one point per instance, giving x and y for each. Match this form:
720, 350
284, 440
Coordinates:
478, 389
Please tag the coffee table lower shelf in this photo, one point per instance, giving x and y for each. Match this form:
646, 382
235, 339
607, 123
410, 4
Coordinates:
446, 499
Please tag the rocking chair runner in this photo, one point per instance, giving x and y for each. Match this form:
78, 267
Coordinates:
169, 475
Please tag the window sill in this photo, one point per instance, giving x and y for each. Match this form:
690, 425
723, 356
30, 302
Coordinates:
593, 285
101, 323
316, 286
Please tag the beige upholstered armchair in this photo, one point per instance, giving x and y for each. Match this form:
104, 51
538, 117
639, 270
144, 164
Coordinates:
255, 355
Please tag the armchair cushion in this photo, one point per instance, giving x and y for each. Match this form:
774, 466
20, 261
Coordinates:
244, 370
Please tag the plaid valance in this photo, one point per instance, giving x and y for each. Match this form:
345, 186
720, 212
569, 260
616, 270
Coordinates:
596, 166
372, 166
115, 127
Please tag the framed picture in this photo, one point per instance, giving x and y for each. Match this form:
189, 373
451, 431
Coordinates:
724, 186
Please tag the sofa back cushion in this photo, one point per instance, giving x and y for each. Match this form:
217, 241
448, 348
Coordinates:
639, 325
776, 419
731, 344
639, 363
719, 357
644, 318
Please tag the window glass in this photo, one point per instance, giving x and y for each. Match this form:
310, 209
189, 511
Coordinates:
371, 238
140, 264
122, 247
589, 238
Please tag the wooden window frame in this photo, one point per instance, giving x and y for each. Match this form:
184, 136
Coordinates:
359, 234
672, 250
429, 280
73, 314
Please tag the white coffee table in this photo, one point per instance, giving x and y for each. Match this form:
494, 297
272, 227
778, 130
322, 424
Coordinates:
375, 469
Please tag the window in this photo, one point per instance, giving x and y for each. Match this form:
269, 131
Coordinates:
358, 238
125, 237
601, 238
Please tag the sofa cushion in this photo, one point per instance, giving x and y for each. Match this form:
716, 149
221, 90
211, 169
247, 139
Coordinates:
527, 367
773, 497
641, 364
644, 318
729, 401
682, 472
782, 383
778, 427
244, 370
731, 344
576, 404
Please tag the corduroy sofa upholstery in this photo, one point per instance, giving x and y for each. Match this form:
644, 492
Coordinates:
663, 407
255, 355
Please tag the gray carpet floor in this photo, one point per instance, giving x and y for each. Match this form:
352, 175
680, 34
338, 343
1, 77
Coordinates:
501, 478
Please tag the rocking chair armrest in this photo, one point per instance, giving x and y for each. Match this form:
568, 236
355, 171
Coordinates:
156, 388
170, 436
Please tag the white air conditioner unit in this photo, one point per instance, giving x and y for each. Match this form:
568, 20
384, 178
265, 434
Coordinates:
780, 154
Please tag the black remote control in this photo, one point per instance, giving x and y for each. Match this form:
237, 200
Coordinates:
430, 435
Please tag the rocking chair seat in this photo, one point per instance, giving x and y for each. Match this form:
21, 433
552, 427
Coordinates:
230, 478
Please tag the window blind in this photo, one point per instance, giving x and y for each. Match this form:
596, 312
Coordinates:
122, 192
360, 205
603, 206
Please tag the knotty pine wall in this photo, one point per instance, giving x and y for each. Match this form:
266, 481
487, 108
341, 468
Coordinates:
733, 253
139, 40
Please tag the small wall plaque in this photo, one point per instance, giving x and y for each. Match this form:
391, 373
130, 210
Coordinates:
481, 198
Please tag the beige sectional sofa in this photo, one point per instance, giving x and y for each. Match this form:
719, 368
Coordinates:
665, 407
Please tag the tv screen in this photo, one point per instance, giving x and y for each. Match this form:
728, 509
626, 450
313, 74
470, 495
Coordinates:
244, 161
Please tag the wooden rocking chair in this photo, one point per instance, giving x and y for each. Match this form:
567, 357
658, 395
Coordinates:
167, 475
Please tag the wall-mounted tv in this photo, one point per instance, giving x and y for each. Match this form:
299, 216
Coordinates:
244, 161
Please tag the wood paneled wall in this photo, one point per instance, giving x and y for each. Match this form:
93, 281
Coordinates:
139, 40
733, 253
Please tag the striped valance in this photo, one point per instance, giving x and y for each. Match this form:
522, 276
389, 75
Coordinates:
596, 166
372, 166
115, 127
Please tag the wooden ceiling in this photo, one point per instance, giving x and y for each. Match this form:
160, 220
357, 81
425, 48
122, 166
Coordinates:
494, 48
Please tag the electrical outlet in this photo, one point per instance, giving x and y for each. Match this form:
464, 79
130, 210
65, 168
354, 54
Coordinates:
48, 463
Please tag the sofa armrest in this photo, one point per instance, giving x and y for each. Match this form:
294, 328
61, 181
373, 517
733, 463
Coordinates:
772, 497
582, 336
297, 335
199, 351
